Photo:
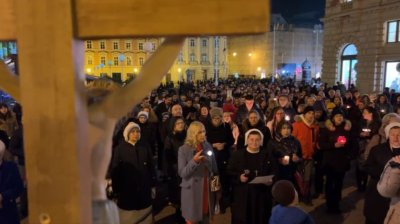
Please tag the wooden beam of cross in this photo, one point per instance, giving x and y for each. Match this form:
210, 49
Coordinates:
62, 135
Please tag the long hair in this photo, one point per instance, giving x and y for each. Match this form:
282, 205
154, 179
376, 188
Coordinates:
192, 132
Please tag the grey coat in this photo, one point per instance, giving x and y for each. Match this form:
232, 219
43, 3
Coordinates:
192, 175
389, 186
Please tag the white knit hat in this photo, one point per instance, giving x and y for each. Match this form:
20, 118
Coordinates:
143, 113
390, 126
251, 130
128, 129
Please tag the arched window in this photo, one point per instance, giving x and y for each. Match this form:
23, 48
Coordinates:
348, 74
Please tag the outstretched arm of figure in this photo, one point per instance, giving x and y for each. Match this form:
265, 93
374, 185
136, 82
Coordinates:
155, 68
103, 115
9, 82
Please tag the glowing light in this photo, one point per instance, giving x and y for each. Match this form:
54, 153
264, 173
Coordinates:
259, 69
135, 70
250, 54
179, 70
89, 70
263, 75
209, 153
234, 54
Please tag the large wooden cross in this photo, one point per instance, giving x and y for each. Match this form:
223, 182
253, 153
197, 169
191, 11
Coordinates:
66, 141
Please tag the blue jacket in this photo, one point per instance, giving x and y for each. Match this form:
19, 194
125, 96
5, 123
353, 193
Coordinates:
289, 215
11, 188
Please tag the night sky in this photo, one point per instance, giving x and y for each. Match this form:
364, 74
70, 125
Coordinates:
294, 10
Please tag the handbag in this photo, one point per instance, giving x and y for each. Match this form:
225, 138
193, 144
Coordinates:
300, 183
215, 184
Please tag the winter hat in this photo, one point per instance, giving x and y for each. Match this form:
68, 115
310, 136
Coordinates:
216, 112
390, 126
284, 192
128, 129
249, 97
251, 130
336, 111
319, 106
308, 109
143, 113
330, 105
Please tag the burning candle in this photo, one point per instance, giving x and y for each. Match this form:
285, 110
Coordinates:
287, 117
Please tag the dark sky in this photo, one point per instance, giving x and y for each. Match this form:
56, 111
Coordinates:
292, 9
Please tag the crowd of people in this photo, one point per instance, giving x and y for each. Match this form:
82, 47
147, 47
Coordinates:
241, 130
254, 146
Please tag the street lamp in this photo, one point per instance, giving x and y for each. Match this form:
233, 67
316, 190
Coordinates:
317, 30
121, 58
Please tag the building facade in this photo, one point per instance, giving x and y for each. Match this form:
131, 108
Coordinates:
362, 44
280, 51
122, 59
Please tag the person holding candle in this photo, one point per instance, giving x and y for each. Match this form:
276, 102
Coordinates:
196, 167
286, 150
383, 106
370, 125
336, 160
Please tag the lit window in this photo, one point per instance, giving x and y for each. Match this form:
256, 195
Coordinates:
116, 61
346, 1
115, 46
192, 57
140, 46
393, 31
141, 61
102, 45
128, 61
89, 44
128, 45
103, 60
153, 46
192, 43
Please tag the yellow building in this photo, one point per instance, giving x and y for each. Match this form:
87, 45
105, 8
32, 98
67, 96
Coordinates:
119, 59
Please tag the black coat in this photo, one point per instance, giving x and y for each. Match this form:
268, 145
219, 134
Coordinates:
171, 147
335, 159
243, 193
133, 176
11, 188
220, 134
148, 134
376, 206
285, 147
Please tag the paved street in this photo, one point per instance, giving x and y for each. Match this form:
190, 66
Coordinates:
352, 206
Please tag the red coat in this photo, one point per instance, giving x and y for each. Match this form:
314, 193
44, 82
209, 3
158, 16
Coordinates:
307, 136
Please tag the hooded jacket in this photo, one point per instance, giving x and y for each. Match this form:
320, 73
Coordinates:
307, 134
